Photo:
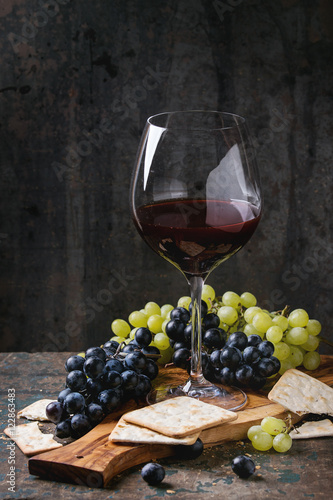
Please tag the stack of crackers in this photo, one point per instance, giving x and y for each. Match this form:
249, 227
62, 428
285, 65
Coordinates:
174, 421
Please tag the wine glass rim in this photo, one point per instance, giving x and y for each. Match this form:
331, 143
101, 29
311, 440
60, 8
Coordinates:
237, 119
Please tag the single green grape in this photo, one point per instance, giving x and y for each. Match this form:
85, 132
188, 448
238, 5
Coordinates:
154, 323
132, 333
295, 356
311, 360
138, 318
286, 364
273, 425
247, 299
231, 299
281, 351
253, 430
166, 356
313, 327
262, 321
250, 313
184, 302
228, 315
166, 309
208, 293
311, 344
250, 330
162, 341
262, 441
281, 321
164, 324
282, 442
152, 308
118, 339
274, 334
297, 335
298, 317
120, 327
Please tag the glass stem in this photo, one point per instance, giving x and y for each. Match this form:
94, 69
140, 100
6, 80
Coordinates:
196, 284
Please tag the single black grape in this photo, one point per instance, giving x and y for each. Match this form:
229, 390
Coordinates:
63, 394
94, 386
80, 425
55, 412
244, 374
74, 403
93, 366
96, 351
267, 367
95, 413
238, 339
135, 361
243, 466
151, 370
63, 429
130, 380
211, 320
109, 400
251, 355
74, 362
181, 358
153, 473
111, 379
266, 348
214, 338
180, 314
143, 387
143, 336
254, 340
76, 381
175, 330
215, 359
257, 382
230, 357
227, 376
114, 365
190, 452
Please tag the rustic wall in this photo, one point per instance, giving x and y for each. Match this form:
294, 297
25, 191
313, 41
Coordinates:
79, 79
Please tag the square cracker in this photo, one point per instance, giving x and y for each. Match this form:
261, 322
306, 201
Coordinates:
30, 439
301, 393
308, 430
125, 432
179, 416
36, 411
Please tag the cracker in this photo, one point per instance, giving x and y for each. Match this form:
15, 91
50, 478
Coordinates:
30, 439
309, 430
300, 393
179, 416
35, 411
125, 432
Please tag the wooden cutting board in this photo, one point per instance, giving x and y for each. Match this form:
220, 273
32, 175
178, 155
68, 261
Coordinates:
93, 460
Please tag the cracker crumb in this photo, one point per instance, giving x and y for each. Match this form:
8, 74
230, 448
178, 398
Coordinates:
172, 492
248, 454
258, 466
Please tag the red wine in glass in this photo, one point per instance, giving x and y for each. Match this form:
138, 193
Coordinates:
197, 235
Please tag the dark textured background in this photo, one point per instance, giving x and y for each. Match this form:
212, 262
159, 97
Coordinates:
79, 79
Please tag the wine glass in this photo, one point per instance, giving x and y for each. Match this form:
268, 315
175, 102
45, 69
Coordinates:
195, 199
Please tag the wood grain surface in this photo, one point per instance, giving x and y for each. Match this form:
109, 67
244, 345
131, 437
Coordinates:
94, 460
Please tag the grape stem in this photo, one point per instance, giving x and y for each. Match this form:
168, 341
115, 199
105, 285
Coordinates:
328, 342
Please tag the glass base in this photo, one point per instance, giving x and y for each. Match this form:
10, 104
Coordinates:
229, 398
